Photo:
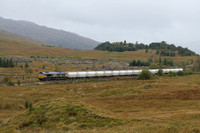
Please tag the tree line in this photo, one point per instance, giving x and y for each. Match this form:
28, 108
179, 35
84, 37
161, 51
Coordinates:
160, 62
162, 48
107, 46
6, 62
139, 63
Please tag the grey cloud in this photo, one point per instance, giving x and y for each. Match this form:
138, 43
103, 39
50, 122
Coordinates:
175, 21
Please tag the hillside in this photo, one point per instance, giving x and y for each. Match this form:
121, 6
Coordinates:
162, 48
47, 35
10, 47
10, 35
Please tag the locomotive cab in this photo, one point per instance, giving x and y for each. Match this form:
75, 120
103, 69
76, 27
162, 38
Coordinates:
42, 76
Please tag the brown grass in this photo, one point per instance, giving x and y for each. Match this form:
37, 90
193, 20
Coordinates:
169, 105
17, 48
164, 104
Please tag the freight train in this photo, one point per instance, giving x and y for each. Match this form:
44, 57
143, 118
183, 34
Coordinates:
44, 76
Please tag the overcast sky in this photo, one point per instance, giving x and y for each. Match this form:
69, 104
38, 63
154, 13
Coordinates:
174, 21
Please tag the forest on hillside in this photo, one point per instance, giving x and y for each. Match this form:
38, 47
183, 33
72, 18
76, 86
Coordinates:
162, 48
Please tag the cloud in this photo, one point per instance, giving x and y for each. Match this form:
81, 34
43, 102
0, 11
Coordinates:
175, 21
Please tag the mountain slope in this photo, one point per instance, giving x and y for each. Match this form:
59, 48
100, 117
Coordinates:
12, 48
47, 35
10, 35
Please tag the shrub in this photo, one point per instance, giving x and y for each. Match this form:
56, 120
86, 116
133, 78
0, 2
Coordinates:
145, 75
26, 104
160, 72
172, 74
186, 72
154, 66
180, 73
19, 82
10, 83
26, 65
30, 107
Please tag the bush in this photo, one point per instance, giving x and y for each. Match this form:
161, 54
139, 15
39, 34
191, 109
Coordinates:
186, 72
160, 72
180, 73
18, 82
172, 74
26, 65
154, 66
26, 104
145, 75
10, 83
30, 106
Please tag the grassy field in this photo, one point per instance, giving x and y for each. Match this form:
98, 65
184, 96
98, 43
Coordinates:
164, 104
11, 48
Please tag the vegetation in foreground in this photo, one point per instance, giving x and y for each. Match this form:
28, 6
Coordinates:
164, 104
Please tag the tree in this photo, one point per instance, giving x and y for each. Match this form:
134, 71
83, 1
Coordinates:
30, 107
26, 104
6, 62
145, 75
139, 63
160, 72
26, 65
18, 82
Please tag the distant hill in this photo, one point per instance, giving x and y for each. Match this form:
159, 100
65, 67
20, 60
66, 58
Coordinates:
162, 48
15, 48
47, 35
10, 35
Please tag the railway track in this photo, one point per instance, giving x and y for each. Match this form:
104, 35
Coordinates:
73, 81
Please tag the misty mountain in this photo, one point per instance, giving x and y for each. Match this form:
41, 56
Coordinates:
13, 36
47, 35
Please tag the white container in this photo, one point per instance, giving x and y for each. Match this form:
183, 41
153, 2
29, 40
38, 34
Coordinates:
81, 74
136, 72
115, 73
154, 71
100, 73
180, 69
122, 72
129, 72
72, 74
107, 73
91, 74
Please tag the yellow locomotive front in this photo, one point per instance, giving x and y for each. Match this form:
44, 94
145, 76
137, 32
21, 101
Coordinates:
42, 76
52, 76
